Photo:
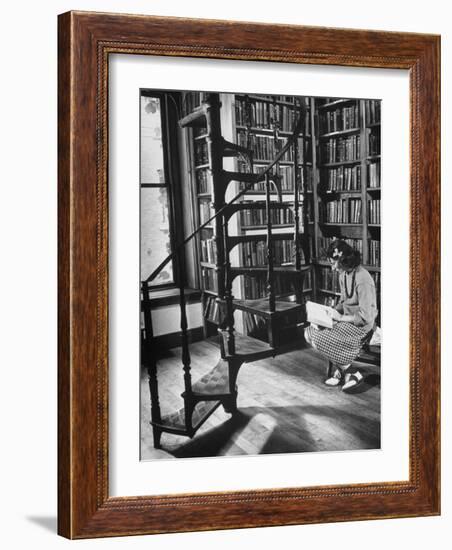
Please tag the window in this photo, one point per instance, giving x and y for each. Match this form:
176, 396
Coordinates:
157, 234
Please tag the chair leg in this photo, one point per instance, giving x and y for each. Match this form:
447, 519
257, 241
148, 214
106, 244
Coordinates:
329, 369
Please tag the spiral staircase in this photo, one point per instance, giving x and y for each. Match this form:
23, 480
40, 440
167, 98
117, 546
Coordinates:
219, 386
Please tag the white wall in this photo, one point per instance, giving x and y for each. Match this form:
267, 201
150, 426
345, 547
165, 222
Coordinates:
166, 320
28, 237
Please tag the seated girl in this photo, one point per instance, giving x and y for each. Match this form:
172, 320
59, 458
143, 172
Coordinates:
354, 317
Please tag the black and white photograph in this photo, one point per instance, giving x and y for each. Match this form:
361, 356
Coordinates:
260, 274
200, 346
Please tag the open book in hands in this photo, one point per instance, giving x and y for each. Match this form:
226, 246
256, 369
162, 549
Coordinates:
319, 314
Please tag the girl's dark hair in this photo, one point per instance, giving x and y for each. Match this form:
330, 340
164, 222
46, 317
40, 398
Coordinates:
350, 257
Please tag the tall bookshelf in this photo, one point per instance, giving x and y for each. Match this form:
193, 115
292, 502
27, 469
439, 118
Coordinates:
203, 195
264, 112
339, 197
347, 186
250, 225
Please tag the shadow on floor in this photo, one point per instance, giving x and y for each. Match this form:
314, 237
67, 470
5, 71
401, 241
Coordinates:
49, 523
291, 429
213, 440
370, 381
340, 430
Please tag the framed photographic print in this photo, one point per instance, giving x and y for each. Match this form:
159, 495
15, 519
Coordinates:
248, 275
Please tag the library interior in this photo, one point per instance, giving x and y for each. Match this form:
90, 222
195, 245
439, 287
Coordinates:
242, 197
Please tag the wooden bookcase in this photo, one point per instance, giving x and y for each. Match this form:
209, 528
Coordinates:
265, 110
347, 186
203, 195
340, 192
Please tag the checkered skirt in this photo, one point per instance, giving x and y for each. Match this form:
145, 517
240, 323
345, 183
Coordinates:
341, 344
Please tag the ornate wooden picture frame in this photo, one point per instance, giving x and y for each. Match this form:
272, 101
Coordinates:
85, 42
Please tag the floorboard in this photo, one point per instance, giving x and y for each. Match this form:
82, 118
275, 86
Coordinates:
284, 407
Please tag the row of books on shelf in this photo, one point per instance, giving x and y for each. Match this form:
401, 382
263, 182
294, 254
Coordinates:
206, 211
341, 149
264, 147
254, 254
373, 111
209, 251
374, 256
374, 174
342, 178
209, 279
374, 253
201, 130
191, 100
263, 114
345, 118
203, 181
373, 143
255, 325
373, 215
342, 211
212, 310
339, 178
281, 98
256, 287
287, 174
329, 280
259, 216
307, 280
376, 276
201, 153
325, 242
329, 300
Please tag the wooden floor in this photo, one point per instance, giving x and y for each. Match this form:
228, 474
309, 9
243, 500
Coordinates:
284, 407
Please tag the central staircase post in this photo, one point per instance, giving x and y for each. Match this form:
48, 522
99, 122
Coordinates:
296, 211
230, 338
296, 203
270, 273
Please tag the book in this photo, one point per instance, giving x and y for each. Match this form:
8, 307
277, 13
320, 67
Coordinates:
319, 314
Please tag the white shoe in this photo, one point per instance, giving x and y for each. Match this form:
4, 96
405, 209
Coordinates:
352, 380
336, 379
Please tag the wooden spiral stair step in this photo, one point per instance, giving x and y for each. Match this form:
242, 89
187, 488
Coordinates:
231, 149
283, 269
213, 384
261, 307
237, 239
175, 421
258, 205
195, 119
247, 348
